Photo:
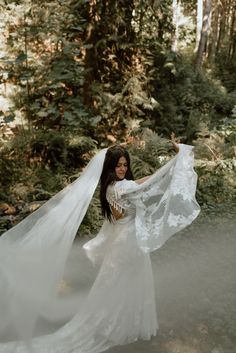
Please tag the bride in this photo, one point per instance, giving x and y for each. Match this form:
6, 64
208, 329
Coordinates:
120, 306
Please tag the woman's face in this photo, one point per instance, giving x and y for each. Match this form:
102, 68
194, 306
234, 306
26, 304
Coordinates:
121, 168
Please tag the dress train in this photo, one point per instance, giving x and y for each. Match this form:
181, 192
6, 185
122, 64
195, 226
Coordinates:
120, 307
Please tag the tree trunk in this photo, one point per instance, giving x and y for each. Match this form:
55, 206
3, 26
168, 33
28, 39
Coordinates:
204, 34
232, 32
233, 54
176, 6
199, 22
90, 61
214, 34
222, 27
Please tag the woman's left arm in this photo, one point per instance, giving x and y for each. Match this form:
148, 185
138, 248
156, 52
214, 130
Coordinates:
142, 180
174, 142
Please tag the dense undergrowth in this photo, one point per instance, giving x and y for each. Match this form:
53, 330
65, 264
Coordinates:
72, 94
30, 175
36, 163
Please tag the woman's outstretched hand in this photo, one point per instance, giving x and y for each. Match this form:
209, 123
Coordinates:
174, 142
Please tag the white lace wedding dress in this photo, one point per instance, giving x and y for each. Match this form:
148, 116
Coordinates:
120, 306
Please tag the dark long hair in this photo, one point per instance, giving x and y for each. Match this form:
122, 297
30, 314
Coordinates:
108, 175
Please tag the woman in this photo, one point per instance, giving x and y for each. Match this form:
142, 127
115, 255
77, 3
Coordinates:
139, 217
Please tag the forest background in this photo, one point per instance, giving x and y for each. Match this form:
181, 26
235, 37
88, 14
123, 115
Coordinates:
79, 75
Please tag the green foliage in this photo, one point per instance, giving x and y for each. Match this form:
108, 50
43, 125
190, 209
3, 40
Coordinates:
48, 159
45, 62
93, 219
149, 151
49, 147
216, 183
123, 112
225, 69
216, 165
78, 75
189, 101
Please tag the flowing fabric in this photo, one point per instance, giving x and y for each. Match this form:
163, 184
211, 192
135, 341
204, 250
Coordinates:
34, 252
120, 306
166, 203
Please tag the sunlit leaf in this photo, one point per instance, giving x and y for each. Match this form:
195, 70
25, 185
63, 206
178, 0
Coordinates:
95, 120
42, 113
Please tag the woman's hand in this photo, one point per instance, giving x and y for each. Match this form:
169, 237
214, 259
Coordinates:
174, 142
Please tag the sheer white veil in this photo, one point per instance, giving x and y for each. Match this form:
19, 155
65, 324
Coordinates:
33, 254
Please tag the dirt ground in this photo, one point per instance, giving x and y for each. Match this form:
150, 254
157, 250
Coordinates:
195, 278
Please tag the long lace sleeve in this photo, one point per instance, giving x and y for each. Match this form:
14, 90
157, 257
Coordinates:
166, 202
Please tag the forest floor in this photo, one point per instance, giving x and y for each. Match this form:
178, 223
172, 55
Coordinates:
195, 282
